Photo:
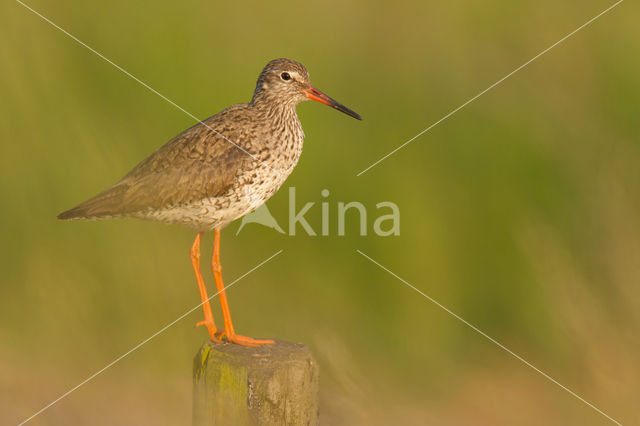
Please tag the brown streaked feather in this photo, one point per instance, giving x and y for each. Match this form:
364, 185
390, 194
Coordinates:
200, 178
196, 164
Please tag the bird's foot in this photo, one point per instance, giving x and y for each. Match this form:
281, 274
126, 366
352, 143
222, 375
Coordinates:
246, 341
214, 333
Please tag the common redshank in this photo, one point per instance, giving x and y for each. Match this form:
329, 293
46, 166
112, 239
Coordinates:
216, 172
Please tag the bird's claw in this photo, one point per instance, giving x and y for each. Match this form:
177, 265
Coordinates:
214, 333
246, 341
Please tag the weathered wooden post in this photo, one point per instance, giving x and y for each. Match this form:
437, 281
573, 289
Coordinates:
270, 385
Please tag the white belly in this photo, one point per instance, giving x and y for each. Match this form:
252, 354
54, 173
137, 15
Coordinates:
246, 194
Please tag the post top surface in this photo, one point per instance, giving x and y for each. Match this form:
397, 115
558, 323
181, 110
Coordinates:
281, 351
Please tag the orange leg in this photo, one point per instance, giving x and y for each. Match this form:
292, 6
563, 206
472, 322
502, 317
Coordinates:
206, 306
229, 333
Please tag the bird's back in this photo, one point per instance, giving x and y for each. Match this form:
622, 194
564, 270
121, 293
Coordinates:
202, 162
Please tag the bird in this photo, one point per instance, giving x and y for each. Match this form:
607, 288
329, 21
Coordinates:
216, 172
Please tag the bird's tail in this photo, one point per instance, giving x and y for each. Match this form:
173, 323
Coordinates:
102, 206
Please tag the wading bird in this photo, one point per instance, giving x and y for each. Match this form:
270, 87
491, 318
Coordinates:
218, 171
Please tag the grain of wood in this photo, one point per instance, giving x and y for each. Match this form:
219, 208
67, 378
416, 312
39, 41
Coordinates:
270, 385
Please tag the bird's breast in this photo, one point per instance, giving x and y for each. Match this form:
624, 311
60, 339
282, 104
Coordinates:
264, 174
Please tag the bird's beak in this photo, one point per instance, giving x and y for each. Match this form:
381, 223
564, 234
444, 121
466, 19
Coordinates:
316, 95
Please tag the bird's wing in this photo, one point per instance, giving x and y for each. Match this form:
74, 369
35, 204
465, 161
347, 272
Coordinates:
198, 163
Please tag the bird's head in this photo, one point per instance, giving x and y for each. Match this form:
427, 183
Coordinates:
287, 82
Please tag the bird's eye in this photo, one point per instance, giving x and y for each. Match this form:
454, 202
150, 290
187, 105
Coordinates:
285, 76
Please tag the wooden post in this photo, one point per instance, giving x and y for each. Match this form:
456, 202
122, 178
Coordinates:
270, 385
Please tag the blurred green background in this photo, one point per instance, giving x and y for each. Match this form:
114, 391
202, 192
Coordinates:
520, 213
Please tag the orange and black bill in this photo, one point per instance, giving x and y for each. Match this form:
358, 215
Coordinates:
317, 95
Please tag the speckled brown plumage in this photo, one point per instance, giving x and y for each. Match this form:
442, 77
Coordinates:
201, 178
